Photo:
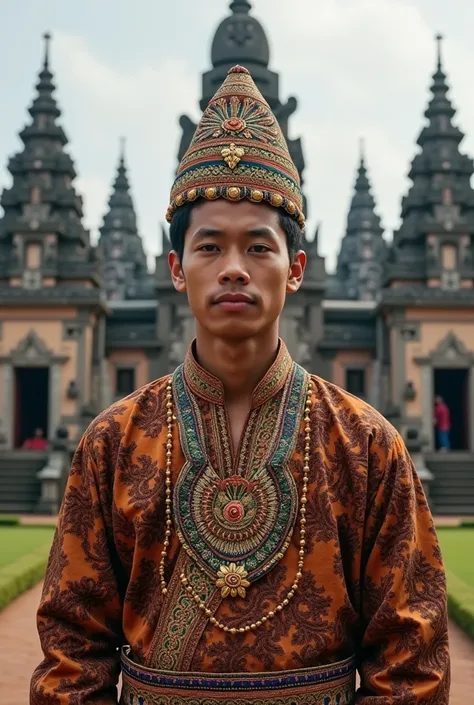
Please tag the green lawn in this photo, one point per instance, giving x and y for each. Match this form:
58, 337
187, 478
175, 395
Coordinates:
19, 541
457, 546
23, 557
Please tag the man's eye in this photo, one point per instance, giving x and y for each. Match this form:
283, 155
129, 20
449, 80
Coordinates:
208, 248
260, 248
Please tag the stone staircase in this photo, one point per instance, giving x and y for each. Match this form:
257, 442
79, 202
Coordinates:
19, 486
452, 490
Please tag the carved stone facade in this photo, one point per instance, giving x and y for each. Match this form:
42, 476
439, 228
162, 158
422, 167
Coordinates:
393, 325
51, 298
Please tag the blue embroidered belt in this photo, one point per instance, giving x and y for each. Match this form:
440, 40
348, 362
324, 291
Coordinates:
321, 685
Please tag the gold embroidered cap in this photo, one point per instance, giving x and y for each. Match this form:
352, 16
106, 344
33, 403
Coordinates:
238, 151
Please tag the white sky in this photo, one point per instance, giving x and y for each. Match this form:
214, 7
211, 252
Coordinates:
357, 67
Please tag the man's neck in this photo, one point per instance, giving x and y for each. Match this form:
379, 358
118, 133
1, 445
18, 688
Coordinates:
239, 365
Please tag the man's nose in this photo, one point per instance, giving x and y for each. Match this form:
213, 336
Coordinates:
233, 269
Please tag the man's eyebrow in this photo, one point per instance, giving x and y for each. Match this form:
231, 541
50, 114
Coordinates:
262, 231
206, 232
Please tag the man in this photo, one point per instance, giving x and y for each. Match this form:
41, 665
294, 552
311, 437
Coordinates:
443, 424
253, 533
37, 441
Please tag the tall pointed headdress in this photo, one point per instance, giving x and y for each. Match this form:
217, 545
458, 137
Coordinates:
238, 151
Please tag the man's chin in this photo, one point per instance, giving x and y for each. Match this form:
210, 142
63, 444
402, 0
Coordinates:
233, 329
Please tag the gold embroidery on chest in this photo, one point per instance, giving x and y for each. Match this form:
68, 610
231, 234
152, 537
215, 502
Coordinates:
238, 526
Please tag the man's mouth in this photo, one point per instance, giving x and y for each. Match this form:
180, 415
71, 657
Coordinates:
234, 302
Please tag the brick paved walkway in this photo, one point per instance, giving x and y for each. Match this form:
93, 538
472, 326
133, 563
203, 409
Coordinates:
20, 653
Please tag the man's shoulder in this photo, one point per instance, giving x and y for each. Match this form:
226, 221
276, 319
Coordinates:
356, 418
147, 400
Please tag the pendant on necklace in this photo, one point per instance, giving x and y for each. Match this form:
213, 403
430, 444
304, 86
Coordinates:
231, 579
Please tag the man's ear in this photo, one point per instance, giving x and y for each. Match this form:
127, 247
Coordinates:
177, 274
296, 272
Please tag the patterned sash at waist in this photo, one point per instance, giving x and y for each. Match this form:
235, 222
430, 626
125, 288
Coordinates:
321, 685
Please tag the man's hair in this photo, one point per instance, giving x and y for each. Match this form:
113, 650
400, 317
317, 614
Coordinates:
180, 223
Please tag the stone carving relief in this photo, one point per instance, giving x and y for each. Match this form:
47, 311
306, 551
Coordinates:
240, 33
409, 391
451, 352
32, 350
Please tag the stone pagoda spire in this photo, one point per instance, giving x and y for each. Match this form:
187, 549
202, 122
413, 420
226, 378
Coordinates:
363, 249
44, 249
241, 39
125, 266
434, 241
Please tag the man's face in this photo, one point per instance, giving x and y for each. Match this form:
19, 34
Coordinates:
236, 269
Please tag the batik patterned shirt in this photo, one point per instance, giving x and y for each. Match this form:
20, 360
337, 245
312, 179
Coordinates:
373, 583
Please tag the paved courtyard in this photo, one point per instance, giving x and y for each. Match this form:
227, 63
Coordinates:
20, 653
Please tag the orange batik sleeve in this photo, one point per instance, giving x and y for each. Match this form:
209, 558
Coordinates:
404, 658
79, 618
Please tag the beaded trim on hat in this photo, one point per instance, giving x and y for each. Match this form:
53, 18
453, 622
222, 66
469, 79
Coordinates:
238, 152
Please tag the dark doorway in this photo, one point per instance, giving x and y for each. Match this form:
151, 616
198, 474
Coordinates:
355, 382
453, 386
31, 402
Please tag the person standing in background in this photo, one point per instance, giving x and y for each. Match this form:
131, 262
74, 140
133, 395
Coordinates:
443, 424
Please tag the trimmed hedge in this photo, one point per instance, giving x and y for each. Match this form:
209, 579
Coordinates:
461, 603
23, 574
9, 520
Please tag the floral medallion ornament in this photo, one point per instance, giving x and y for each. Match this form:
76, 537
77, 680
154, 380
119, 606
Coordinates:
238, 116
231, 579
234, 124
233, 511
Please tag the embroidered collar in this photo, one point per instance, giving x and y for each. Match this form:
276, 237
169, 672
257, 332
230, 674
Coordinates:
210, 388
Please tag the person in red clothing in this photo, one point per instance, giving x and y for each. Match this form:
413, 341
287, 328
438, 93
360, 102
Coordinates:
443, 424
36, 442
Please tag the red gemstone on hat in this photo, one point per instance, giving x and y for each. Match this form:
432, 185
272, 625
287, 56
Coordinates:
234, 124
233, 511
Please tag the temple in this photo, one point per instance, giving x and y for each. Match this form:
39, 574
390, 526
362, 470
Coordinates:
125, 266
83, 325
363, 250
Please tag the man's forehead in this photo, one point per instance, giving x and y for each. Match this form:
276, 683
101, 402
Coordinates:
242, 216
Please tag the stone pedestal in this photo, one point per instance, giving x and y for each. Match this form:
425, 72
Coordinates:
423, 473
52, 475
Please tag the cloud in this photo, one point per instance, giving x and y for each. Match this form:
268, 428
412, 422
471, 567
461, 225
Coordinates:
142, 103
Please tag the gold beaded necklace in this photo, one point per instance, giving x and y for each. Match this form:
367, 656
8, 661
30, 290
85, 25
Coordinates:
185, 582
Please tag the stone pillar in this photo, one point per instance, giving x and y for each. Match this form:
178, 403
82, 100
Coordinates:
8, 410
188, 325
289, 329
164, 336
54, 398
153, 356
81, 368
52, 476
427, 402
398, 362
471, 408
376, 386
